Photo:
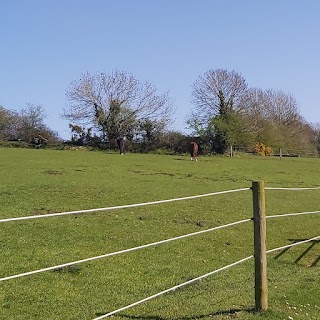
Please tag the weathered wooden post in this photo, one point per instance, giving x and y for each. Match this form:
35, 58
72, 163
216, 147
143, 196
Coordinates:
260, 250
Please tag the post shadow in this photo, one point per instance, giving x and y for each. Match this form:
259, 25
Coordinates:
304, 253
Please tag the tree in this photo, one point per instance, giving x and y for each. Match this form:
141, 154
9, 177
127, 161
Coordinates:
114, 103
274, 118
32, 121
26, 124
151, 133
228, 130
80, 135
32, 124
217, 96
175, 141
118, 122
318, 142
10, 124
316, 136
218, 92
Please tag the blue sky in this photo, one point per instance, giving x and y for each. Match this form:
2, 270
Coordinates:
46, 44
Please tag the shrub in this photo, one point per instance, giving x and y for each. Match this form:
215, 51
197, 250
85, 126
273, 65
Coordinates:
262, 150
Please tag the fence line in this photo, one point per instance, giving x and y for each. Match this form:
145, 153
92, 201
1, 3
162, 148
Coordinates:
142, 247
260, 250
258, 196
122, 251
173, 288
121, 207
197, 279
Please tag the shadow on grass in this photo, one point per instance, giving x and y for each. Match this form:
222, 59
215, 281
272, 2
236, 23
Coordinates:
229, 312
304, 253
69, 269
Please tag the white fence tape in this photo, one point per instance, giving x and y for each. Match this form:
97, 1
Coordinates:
293, 244
292, 189
160, 242
197, 279
120, 207
122, 251
173, 288
291, 214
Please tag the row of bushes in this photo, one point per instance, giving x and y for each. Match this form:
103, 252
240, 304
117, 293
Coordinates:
175, 148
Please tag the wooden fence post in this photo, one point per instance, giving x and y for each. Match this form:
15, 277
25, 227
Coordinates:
260, 254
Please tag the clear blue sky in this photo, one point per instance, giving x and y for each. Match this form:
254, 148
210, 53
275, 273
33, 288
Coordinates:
46, 44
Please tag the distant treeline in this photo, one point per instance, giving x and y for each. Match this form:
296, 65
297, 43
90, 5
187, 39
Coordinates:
227, 114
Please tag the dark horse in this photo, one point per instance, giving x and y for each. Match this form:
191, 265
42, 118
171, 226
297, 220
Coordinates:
120, 143
193, 150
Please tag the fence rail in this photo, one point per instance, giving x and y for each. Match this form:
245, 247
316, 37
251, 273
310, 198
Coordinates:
121, 251
197, 279
120, 207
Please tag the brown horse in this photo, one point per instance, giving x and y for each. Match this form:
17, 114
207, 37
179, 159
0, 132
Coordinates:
193, 150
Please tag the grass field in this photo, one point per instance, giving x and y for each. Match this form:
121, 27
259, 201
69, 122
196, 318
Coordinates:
35, 182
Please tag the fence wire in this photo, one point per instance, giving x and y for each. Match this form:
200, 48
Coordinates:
162, 241
292, 189
197, 279
120, 207
122, 251
173, 288
291, 214
293, 244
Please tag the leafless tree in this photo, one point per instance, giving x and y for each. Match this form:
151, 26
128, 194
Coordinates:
115, 101
316, 136
254, 109
25, 124
10, 123
274, 115
281, 110
33, 116
217, 92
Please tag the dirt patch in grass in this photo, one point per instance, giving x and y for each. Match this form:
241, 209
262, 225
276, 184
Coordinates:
40, 211
54, 172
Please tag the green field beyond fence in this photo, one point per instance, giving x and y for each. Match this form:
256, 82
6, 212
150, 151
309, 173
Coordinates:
40, 182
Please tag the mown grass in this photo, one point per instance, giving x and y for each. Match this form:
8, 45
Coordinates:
47, 181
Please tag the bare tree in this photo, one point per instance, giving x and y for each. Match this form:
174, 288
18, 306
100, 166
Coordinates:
316, 136
282, 108
217, 95
275, 119
25, 124
33, 117
217, 92
112, 102
10, 123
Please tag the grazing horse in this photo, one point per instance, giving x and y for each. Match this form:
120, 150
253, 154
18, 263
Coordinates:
194, 150
120, 143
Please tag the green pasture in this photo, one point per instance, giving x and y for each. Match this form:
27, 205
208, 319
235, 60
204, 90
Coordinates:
36, 182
